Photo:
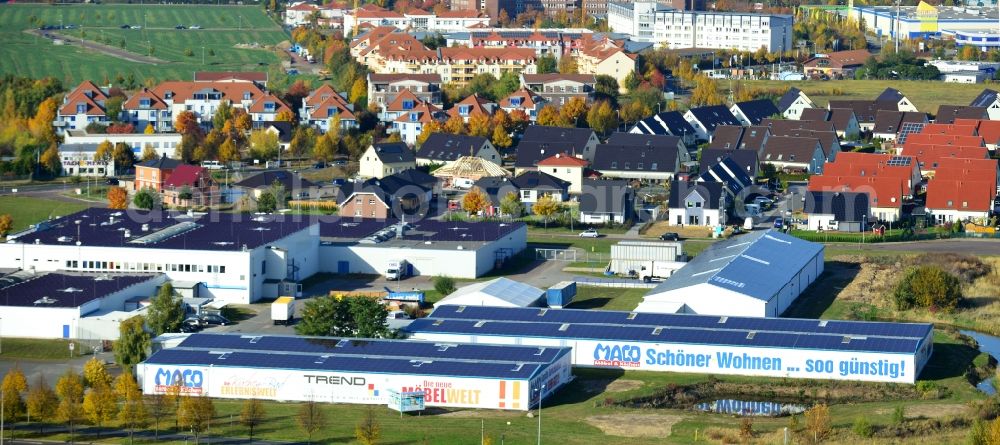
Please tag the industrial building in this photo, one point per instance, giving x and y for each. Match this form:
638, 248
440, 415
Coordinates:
430, 247
771, 347
362, 371
500, 292
70, 305
628, 256
973, 26
237, 258
758, 274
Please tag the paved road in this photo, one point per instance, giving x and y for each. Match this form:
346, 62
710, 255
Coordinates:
99, 47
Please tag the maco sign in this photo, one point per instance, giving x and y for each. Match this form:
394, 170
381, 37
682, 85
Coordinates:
189, 380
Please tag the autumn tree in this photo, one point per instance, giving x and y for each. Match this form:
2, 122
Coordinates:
519, 120
123, 156
706, 92
264, 145
285, 116
568, 65
40, 125
132, 343
633, 111
158, 406
455, 125
500, 138
195, 414
148, 153
928, 287
6, 224
95, 373
479, 125
310, 419
818, 422
368, 430
601, 118
475, 201
41, 401
69, 388
105, 151
325, 148
14, 386
187, 123
228, 151
429, 129
359, 93
303, 140
133, 413
149, 129
117, 198
511, 205
252, 414
100, 404
546, 207
51, 160
549, 116
574, 112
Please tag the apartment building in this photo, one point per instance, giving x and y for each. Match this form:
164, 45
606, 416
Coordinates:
607, 57
324, 103
384, 88
371, 15
458, 65
81, 107
558, 89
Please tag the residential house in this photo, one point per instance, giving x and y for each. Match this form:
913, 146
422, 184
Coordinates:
697, 204
889, 123
383, 88
145, 109
705, 119
989, 130
394, 196
670, 123
966, 128
885, 192
381, 160
791, 153
793, 102
190, 185
864, 110
948, 113
533, 185
557, 89
892, 95
651, 140
410, 124
960, 200
474, 105
956, 169
327, 15
637, 162
454, 64
828, 141
294, 184
403, 103
544, 141
990, 100
567, 168
736, 169
282, 129
81, 107
850, 164
836, 211
606, 201
153, 173
606, 57
205, 98
457, 174
754, 111
324, 104
445, 148
844, 122
524, 100
735, 137
838, 64
267, 108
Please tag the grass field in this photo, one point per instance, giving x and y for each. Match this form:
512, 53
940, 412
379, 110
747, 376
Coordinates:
34, 349
225, 26
927, 96
28, 211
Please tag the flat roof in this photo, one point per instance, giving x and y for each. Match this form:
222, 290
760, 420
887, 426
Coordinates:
165, 230
418, 234
836, 335
65, 290
342, 354
944, 13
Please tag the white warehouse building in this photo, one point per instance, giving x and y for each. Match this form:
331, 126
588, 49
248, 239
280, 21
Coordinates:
766, 347
237, 258
758, 274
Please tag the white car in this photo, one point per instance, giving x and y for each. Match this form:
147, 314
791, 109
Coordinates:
589, 233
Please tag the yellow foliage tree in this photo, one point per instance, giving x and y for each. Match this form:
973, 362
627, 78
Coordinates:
285, 116
546, 207
148, 153
51, 160
479, 125
41, 124
429, 129
228, 151
575, 111
475, 201
100, 404
104, 151
359, 91
6, 223
549, 116
500, 138
117, 198
818, 422
96, 373
149, 129
455, 125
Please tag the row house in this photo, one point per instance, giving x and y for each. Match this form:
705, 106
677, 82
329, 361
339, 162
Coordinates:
551, 42
267, 108
145, 109
474, 105
370, 48
330, 15
202, 98
409, 124
558, 89
323, 104
190, 185
371, 15
524, 100
81, 107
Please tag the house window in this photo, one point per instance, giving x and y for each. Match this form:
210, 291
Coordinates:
144, 103
614, 165
708, 220
414, 117
652, 166
407, 104
525, 194
464, 110
246, 95
639, 166
626, 166
949, 203
515, 101
965, 203
81, 108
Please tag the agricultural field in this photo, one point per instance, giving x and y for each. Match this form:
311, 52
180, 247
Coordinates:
233, 38
927, 96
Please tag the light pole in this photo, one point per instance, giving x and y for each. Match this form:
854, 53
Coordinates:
541, 392
203, 59
503, 435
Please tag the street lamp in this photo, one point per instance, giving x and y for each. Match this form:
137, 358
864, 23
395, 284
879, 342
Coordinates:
504, 433
541, 392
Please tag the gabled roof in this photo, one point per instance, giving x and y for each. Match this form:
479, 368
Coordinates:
714, 115
259, 106
733, 176
635, 158
864, 110
605, 196
815, 114
400, 77
970, 195
529, 79
841, 118
448, 147
828, 140
757, 110
948, 113
955, 129
528, 153
186, 176
890, 122
746, 160
890, 95
670, 122
423, 112
789, 149
134, 102
246, 76
578, 136
840, 59
563, 160
534, 180
758, 264
710, 192
789, 98
181, 91
471, 167
288, 180
415, 176
504, 289
284, 129
648, 140
733, 137
479, 106
984, 99
161, 163
529, 99
883, 191
987, 129
784, 127
87, 94
325, 98
844, 206
393, 152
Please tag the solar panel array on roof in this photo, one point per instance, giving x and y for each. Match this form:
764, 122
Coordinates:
63, 290
899, 161
907, 129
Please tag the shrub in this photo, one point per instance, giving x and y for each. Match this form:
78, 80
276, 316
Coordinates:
746, 429
927, 287
863, 428
898, 415
444, 285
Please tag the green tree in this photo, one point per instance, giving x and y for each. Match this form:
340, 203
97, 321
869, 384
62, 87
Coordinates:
303, 140
310, 419
41, 402
928, 287
546, 64
606, 86
630, 82
222, 114
132, 343
511, 205
601, 118
369, 317
195, 414
266, 202
252, 414
69, 388
113, 108
546, 207
148, 153
508, 83
327, 316
368, 431
166, 311
863, 428
123, 156
978, 433
444, 285
95, 373
144, 199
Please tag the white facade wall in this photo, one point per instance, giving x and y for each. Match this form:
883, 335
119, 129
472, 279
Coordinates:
162, 143
794, 112
945, 215
602, 218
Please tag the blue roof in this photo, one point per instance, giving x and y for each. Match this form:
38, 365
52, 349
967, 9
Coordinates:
675, 328
757, 264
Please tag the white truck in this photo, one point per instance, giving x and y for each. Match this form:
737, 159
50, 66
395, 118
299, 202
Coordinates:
283, 310
396, 270
650, 270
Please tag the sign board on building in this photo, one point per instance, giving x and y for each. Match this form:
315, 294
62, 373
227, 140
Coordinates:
406, 296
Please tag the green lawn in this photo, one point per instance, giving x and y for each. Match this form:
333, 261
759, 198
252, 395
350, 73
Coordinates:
72, 64
593, 245
30, 348
926, 95
607, 298
28, 211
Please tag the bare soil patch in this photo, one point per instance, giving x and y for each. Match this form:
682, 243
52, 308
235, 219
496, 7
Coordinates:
635, 425
931, 411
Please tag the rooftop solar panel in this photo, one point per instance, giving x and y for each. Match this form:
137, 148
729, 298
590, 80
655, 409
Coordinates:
67, 290
907, 129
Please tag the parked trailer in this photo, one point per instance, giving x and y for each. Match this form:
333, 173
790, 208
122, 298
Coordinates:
561, 294
283, 310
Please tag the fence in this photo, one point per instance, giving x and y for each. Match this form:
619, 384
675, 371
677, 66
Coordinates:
621, 283
555, 254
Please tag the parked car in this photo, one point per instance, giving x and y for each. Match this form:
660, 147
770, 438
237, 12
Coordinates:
194, 27
191, 324
340, 162
125, 26
180, 27
338, 181
319, 164
111, 181
215, 320
670, 236
589, 233
779, 223
136, 27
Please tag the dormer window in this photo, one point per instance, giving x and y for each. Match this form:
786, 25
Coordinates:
414, 117
407, 104
464, 110
270, 106
169, 95
246, 95
81, 108
515, 101
144, 103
